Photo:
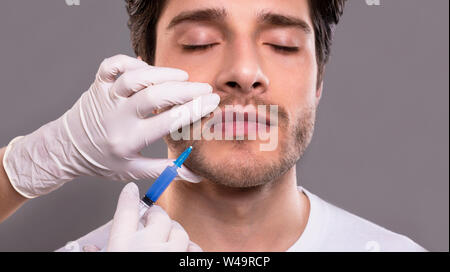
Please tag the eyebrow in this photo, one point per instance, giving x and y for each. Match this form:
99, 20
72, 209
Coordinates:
218, 15
211, 14
276, 19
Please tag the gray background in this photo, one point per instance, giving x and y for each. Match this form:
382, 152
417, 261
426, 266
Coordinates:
380, 148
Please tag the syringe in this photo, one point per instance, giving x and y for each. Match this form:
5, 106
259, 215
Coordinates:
162, 182
157, 189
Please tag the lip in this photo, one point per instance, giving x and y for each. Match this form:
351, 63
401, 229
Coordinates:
241, 122
244, 128
245, 116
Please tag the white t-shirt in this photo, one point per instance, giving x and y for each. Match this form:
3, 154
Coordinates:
329, 228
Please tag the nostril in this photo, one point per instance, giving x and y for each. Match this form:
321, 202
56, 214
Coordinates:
256, 84
232, 84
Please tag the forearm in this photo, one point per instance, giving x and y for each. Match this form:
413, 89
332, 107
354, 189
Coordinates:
10, 200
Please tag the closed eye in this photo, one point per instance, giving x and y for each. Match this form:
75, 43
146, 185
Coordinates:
195, 47
284, 49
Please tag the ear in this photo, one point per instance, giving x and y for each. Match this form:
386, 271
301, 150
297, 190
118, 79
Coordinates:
319, 93
139, 57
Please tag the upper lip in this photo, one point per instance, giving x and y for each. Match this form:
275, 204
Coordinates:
245, 115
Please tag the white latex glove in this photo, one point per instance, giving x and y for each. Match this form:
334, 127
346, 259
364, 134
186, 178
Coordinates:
104, 132
129, 231
156, 233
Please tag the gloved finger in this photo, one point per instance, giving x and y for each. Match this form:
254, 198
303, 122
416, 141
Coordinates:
98, 237
126, 218
180, 115
111, 67
167, 94
149, 168
193, 247
133, 81
157, 225
185, 174
90, 248
178, 238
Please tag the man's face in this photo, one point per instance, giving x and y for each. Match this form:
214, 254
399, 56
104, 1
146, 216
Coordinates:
253, 52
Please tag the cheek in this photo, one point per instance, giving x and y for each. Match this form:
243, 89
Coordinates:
201, 68
293, 78
293, 82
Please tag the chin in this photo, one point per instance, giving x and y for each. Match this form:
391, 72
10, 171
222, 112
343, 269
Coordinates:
235, 150
235, 164
238, 163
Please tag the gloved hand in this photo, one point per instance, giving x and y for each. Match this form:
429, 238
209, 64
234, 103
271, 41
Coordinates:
129, 231
104, 132
158, 233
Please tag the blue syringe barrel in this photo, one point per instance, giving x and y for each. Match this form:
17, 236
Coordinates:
161, 183
164, 180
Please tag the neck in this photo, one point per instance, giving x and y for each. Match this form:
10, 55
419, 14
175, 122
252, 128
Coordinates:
270, 217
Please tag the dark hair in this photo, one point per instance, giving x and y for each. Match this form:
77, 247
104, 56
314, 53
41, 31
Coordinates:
144, 15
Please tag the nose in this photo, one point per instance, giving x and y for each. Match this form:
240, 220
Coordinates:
241, 72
